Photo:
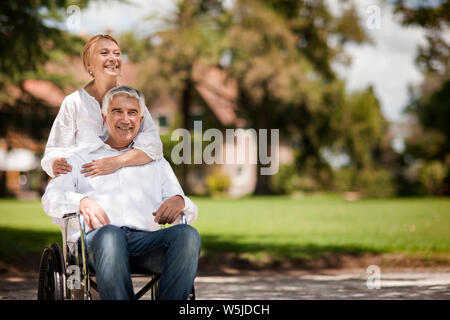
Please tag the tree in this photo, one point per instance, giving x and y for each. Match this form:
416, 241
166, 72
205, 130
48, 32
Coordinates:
434, 16
169, 69
31, 36
282, 63
430, 102
280, 57
27, 36
359, 126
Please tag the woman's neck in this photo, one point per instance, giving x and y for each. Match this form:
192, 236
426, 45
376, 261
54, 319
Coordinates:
98, 89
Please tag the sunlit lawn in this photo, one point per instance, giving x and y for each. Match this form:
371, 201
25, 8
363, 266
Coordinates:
279, 226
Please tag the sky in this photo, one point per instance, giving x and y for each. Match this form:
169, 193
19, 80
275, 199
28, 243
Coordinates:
388, 65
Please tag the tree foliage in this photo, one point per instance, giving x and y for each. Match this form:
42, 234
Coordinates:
280, 55
434, 17
360, 127
429, 141
29, 32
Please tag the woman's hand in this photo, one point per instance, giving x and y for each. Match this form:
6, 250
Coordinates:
61, 166
101, 167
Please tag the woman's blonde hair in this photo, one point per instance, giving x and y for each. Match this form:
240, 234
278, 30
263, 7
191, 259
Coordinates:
87, 47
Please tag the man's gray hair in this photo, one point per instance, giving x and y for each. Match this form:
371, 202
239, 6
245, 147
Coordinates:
124, 90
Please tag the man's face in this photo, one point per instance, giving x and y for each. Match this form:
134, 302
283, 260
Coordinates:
123, 120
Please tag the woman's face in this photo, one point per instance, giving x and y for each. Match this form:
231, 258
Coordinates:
105, 59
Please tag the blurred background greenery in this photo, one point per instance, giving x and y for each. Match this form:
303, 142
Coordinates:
273, 231
248, 64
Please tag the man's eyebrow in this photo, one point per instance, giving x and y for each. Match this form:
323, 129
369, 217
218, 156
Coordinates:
120, 109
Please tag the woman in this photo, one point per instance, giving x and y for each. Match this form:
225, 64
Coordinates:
79, 123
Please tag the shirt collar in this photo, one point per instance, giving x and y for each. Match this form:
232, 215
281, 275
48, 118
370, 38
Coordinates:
105, 146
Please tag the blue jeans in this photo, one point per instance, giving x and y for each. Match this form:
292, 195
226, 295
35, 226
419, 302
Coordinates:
110, 249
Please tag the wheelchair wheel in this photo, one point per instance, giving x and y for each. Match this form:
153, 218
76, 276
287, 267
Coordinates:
192, 294
51, 274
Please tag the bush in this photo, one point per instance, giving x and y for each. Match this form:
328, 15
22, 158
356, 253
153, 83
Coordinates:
432, 175
218, 183
343, 179
285, 180
288, 180
369, 182
376, 183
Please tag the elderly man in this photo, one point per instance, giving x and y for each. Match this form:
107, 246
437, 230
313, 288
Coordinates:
124, 210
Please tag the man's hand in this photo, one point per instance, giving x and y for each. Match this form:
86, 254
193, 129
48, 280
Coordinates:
170, 210
101, 167
60, 166
93, 214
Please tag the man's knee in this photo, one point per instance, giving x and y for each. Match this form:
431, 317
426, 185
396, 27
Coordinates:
190, 237
108, 239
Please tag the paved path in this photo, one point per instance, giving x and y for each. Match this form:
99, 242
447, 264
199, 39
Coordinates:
351, 284
334, 286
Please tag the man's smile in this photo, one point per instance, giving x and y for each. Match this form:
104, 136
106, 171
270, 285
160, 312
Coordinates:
125, 127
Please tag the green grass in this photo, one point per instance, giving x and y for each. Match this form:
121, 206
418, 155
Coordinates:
280, 227
309, 228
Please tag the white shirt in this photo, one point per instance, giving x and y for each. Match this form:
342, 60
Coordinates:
79, 124
128, 196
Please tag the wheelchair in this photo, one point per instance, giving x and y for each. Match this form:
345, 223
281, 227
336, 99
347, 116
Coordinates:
64, 272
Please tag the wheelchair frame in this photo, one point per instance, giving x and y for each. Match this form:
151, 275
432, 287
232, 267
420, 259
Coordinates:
57, 264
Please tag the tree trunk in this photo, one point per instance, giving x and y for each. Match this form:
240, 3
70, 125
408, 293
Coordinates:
262, 181
186, 99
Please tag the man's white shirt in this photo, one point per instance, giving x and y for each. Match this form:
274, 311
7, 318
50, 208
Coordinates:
128, 196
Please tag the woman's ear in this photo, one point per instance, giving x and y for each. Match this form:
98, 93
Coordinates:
88, 67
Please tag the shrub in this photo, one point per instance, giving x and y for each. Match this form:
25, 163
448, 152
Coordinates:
218, 183
432, 175
369, 182
285, 180
343, 179
376, 183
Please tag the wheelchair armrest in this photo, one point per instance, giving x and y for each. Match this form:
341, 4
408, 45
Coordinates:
70, 215
79, 217
81, 224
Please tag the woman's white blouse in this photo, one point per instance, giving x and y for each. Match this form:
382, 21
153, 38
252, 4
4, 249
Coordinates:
79, 125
